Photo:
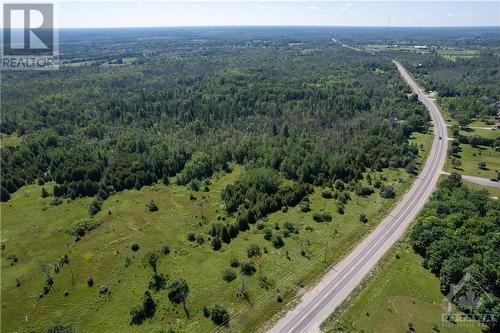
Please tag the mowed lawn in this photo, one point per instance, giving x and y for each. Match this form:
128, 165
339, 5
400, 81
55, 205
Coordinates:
35, 232
471, 156
400, 292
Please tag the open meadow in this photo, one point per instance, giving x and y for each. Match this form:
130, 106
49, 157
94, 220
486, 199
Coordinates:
35, 233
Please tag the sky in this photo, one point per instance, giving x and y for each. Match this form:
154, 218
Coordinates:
94, 14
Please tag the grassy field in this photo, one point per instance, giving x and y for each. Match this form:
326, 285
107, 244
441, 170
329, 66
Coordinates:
34, 231
9, 140
423, 140
470, 157
400, 292
451, 54
485, 133
454, 54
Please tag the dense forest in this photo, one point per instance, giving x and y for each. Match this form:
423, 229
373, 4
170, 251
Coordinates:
467, 87
303, 110
457, 233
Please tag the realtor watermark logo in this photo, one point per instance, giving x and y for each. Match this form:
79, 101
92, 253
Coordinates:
466, 294
30, 41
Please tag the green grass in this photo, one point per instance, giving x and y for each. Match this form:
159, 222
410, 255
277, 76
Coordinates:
454, 54
470, 157
9, 140
451, 54
494, 192
423, 140
484, 133
34, 231
400, 292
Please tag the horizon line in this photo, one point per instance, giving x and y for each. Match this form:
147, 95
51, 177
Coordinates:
282, 26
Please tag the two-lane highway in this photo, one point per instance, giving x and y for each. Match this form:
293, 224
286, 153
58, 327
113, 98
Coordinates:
318, 303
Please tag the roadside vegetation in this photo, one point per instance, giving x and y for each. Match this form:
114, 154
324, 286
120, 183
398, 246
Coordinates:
388, 303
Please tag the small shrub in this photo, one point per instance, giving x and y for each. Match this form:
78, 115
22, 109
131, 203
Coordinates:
362, 191
157, 282
234, 262
387, 192
253, 251
194, 185
144, 311
135, 247
290, 227
327, 194
340, 208
322, 216
305, 206
152, 206
104, 290
339, 185
363, 218
165, 249
277, 241
58, 328
343, 197
95, 207
82, 227
137, 314
206, 312
90, 282
268, 234
229, 275
127, 260
219, 316
216, 244
247, 268
191, 236
200, 239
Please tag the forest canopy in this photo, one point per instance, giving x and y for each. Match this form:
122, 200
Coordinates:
309, 112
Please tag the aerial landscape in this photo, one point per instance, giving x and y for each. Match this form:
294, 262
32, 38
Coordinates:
330, 170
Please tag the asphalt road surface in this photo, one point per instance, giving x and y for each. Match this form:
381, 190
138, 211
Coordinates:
479, 180
318, 303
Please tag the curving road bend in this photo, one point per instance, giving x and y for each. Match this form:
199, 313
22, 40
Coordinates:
321, 301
